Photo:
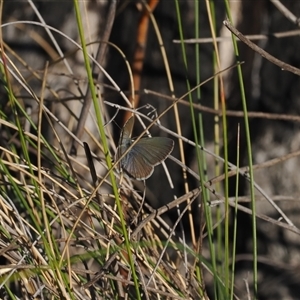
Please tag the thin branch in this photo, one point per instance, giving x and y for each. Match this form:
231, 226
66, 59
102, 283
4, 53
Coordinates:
230, 113
140, 51
263, 53
253, 37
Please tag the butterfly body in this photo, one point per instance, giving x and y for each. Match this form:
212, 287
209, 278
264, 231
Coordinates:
144, 155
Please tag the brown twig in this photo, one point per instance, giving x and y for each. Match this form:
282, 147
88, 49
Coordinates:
252, 37
230, 113
263, 53
139, 54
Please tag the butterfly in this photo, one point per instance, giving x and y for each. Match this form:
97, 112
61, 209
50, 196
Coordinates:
147, 153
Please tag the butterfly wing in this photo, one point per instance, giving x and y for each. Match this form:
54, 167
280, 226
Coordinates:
125, 138
139, 162
135, 165
154, 150
148, 152
126, 131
